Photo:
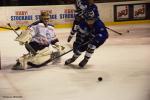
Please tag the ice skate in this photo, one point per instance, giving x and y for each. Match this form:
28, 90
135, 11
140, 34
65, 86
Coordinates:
17, 66
71, 60
83, 62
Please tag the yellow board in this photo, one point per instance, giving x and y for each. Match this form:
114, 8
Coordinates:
106, 23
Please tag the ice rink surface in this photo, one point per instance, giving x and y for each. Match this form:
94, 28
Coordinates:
123, 62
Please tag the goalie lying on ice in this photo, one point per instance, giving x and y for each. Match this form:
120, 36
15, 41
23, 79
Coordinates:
41, 42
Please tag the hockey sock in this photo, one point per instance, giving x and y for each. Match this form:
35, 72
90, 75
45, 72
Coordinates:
90, 51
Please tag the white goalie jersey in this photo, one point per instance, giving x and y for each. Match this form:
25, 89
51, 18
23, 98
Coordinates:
40, 31
37, 33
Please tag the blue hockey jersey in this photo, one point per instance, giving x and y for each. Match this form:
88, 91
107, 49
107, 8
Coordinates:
97, 32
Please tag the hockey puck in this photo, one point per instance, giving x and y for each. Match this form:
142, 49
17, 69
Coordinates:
100, 78
128, 31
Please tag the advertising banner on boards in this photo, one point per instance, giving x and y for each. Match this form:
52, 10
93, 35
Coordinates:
128, 12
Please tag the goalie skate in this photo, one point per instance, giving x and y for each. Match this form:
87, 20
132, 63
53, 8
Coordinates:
17, 66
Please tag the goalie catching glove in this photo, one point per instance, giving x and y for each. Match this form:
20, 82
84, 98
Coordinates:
24, 37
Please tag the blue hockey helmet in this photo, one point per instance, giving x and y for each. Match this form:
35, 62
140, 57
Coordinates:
90, 18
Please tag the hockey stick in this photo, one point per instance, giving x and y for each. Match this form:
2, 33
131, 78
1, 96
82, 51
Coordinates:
50, 60
10, 28
26, 44
13, 29
114, 31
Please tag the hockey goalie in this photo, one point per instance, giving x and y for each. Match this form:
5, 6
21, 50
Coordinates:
40, 41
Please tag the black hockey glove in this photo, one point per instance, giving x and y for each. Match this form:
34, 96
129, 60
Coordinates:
69, 38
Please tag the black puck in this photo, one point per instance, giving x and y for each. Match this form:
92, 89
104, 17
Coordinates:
100, 78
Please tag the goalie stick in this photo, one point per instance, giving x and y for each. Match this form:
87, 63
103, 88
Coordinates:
114, 31
26, 44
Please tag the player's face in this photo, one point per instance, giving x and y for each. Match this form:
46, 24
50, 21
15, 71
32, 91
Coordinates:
90, 22
45, 20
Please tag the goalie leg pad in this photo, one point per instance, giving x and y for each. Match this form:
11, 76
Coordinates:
41, 56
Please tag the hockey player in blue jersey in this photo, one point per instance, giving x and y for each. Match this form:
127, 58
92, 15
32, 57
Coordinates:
82, 7
91, 34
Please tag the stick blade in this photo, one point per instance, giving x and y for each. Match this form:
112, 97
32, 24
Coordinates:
17, 28
8, 24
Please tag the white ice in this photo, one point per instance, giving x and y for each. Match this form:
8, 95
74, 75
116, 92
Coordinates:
123, 62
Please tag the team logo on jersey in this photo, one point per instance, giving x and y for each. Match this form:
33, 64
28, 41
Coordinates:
102, 29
